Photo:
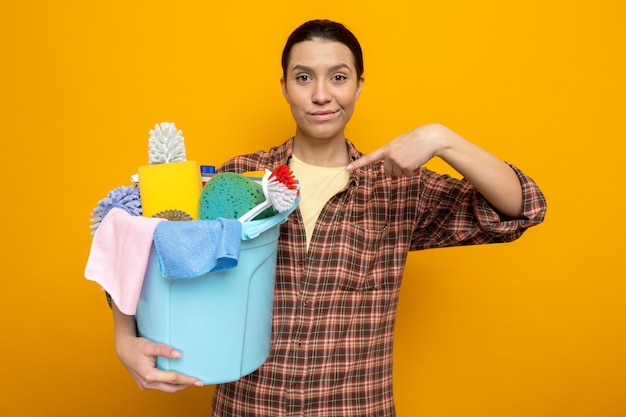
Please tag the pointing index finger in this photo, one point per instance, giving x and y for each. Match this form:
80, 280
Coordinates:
370, 158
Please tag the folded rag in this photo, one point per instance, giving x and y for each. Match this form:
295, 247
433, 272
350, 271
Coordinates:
190, 249
119, 255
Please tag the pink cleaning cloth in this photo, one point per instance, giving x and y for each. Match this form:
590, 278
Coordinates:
119, 256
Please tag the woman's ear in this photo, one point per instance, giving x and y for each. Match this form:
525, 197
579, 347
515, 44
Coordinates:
359, 87
283, 87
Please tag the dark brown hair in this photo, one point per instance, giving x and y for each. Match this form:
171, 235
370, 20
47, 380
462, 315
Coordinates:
326, 30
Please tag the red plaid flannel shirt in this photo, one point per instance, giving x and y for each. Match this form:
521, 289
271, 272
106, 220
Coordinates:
335, 303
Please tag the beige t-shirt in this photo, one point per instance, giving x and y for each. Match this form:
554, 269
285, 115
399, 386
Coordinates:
317, 186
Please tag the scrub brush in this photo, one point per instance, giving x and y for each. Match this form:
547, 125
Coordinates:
280, 189
173, 215
166, 144
126, 198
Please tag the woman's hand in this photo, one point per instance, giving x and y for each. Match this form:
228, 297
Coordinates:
139, 356
404, 155
493, 178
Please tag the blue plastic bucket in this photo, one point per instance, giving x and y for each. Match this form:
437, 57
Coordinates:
220, 321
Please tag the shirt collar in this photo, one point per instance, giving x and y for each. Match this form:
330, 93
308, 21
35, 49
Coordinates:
286, 151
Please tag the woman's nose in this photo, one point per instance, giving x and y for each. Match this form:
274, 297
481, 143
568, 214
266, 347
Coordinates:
321, 94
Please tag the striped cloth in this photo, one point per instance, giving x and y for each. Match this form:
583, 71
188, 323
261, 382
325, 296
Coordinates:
335, 304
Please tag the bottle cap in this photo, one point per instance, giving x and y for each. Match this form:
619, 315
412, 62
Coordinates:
207, 169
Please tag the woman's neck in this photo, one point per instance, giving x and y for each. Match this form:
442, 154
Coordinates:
323, 153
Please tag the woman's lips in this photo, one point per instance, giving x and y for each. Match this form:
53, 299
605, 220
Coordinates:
323, 114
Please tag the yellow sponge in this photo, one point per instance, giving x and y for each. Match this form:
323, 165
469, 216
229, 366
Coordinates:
174, 185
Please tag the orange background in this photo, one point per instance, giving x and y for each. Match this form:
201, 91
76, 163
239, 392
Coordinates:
534, 328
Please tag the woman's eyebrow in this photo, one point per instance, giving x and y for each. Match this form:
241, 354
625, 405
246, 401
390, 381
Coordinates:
300, 67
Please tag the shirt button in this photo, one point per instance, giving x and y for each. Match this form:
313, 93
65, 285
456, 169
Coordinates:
296, 386
301, 262
306, 303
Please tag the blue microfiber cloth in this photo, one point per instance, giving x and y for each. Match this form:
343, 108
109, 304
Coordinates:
193, 248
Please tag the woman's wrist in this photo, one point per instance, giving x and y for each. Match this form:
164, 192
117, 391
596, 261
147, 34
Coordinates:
436, 137
124, 325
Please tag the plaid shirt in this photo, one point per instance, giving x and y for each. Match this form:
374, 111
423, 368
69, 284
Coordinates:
335, 303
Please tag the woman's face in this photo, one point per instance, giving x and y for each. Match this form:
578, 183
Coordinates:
321, 86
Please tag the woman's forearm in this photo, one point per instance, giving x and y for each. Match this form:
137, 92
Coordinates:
492, 177
124, 325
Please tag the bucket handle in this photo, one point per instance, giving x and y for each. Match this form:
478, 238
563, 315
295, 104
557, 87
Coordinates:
253, 228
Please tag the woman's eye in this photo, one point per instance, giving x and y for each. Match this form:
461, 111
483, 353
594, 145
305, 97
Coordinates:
303, 78
339, 77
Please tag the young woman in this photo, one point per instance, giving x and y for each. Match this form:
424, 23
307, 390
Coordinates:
342, 253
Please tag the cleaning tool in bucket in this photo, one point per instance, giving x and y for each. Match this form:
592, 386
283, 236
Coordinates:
169, 181
119, 253
172, 186
187, 249
229, 195
220, 321
280, 189
124, 197
166, 144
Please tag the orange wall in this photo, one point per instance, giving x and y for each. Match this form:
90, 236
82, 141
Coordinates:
534, 328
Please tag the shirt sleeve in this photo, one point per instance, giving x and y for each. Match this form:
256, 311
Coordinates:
452, 213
